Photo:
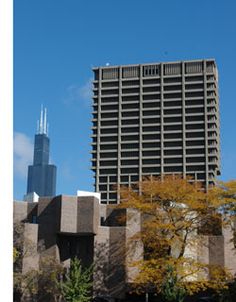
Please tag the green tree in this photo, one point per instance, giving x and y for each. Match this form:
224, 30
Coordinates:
170, 289
77, 284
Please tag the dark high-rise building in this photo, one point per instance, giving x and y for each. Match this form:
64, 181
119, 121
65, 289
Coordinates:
42, 175
154, 119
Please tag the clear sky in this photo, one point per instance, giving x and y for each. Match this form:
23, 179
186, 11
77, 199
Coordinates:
57, 42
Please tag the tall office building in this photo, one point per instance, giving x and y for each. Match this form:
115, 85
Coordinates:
154, 119
41, 175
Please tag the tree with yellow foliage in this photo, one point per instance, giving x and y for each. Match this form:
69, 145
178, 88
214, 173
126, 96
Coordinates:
176, 214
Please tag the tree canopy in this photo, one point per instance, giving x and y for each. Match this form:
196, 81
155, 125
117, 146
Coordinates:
176, 215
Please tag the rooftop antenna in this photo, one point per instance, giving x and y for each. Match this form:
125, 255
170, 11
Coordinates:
41, 121
45, 121
42, 125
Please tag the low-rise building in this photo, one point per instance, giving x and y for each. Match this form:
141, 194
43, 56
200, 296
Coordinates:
69, 226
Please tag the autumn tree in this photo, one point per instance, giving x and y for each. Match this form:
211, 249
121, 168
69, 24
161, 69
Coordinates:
175, 214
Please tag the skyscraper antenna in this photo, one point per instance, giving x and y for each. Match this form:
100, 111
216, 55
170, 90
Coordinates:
42, 126
41, 121
45, 121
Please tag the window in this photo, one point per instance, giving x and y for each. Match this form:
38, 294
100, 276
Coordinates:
150, 70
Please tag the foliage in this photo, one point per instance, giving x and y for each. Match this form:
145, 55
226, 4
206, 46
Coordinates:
15, 254
228, 295
26, 284
176, 215
51, 270
34, 282
40, 282
18, 239
77, 283
171, 290
18, 230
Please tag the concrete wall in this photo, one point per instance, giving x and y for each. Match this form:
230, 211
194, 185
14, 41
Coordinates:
117, 261
109, 260
229, 250
79, 215
20, 211
216, 250
101, 261
69, 214
31, 256
49, 211
134, 246
88, 217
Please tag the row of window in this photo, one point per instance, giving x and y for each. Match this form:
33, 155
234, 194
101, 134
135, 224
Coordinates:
156, 145
155, 100
154, 137
156, 81
154, 70
154, 112
190, 105
112, 179
211, 117
153, 106
172, 95
157, 89
156, 169
151, 161
155, 128
134, 87
155, 153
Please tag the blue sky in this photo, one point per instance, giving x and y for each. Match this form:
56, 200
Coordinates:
57, 42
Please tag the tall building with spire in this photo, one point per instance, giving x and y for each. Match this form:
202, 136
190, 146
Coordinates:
42, 175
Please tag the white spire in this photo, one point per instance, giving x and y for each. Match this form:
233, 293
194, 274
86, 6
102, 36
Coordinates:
41, 121
45, 121
42, 126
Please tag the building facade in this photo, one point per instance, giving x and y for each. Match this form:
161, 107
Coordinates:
42, 175
63, 227
154, 119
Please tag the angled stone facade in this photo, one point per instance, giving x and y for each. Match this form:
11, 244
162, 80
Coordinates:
68, 226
